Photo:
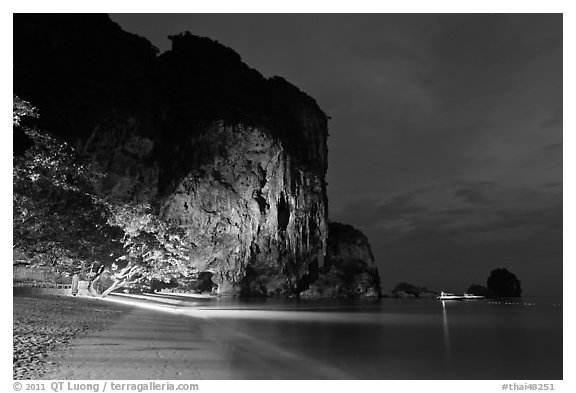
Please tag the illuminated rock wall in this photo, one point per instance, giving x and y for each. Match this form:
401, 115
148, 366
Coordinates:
236, 159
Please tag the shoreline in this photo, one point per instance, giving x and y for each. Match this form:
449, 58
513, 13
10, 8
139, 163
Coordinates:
167, 337
148, 344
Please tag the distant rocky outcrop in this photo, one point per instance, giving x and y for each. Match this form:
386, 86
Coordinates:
503, 283
405, 290
237, 159
349, 268
480, 290
500, 283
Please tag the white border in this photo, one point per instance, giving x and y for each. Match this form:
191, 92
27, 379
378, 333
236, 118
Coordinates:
358, 6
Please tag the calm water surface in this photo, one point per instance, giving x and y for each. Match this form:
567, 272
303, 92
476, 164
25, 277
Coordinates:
400, 339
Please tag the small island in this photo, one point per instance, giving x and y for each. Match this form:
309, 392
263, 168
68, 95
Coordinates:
500, 284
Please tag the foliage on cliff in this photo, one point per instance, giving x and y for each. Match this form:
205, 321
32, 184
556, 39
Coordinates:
56, 221
60, 221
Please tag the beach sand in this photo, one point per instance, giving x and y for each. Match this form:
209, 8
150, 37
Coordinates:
164, 342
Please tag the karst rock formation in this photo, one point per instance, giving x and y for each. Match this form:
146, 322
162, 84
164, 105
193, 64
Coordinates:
237, 159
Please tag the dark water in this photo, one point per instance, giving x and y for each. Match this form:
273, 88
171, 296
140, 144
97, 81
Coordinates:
396, 339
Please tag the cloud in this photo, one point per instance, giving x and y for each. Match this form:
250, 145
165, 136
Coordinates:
553, 148
552, 185
467, 228
472, 195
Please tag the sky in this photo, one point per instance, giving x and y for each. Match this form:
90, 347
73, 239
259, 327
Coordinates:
445, 143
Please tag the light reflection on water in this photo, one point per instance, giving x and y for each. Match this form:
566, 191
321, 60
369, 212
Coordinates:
386, 339
447, 349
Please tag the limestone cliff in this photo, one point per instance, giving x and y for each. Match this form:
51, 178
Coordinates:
237, 159
349, 270
257, 219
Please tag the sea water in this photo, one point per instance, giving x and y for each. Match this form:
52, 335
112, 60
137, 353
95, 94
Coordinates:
515, 339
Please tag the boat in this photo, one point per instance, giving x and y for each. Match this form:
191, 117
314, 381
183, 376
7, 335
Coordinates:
449, 296
470, 296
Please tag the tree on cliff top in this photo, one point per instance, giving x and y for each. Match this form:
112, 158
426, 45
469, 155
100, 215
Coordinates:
60, 222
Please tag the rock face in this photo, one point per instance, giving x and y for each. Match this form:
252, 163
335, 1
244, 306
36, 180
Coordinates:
349, 270
256, 219
237, 159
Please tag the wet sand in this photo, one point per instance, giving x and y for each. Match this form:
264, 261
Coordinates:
168, 344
